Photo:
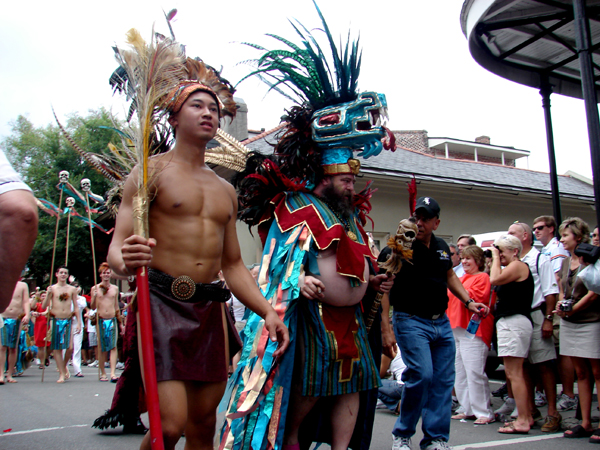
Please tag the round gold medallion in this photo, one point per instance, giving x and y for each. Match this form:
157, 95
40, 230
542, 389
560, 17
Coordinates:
352, 236
183, 288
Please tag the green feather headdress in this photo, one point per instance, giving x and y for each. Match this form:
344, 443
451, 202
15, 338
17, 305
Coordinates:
303, 73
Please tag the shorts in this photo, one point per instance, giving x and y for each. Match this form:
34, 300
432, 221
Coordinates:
92, 339
541, 349
61, 333
514, 336
581, 340
108, 333
10, 333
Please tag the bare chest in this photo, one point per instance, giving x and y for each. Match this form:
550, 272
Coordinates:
183, 194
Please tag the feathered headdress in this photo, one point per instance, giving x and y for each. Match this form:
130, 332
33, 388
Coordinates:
178, 77
330, 121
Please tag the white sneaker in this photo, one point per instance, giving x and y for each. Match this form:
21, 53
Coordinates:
400, 443
566, 403
438, 445
94, 364
540, 399
121, 366
507, 408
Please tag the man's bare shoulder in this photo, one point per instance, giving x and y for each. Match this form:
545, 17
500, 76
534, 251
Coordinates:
227, 185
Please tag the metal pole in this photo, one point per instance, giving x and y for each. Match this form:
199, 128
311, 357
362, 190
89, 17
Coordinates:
545, 91
589, 94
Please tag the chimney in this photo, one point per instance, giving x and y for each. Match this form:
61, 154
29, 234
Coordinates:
239, 127
483, 140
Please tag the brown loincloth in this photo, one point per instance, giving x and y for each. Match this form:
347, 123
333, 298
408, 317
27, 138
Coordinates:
193, 339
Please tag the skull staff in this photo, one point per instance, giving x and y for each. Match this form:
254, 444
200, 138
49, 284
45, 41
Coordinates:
401, 245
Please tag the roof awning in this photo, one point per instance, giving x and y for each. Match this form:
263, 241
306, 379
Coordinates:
527, 40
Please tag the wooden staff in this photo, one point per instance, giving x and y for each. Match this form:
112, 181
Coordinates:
86, 187
70, 204
401, 246
140, 227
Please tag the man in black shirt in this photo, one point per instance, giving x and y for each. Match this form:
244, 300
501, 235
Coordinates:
419, 297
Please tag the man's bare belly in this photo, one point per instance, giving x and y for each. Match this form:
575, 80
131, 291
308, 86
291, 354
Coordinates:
338, 291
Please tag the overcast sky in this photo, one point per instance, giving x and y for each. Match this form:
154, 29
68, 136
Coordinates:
59, 53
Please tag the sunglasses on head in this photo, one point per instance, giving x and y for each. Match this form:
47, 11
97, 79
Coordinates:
540, 228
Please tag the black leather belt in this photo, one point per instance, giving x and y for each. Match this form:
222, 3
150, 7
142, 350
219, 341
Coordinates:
183, 288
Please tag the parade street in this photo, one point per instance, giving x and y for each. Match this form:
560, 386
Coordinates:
51, 416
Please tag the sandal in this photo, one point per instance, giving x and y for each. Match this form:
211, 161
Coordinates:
114, 379
577, 432
597, 434
103, 378
510, 429
462, 416
484, 421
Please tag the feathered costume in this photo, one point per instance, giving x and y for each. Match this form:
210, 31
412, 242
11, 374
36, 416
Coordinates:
330, 122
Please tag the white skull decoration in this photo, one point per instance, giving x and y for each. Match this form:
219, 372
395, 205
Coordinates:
86, 185
63, 176
70, 202
406, 234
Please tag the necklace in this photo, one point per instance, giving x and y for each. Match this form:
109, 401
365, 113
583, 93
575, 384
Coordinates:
341, 219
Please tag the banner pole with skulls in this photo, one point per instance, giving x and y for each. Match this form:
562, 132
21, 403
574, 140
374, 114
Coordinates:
70, 204
63, 177
86, 187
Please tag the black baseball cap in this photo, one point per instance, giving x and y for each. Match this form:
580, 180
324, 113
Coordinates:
430, 206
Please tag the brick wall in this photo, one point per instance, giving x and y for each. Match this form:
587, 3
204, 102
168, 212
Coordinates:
414, 140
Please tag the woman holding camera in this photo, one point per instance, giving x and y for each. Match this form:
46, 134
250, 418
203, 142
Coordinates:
580, 324
514, 328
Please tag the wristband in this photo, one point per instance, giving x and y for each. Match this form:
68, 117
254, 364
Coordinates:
469, 302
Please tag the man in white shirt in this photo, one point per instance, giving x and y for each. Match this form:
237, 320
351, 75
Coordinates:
541, 350
544, 228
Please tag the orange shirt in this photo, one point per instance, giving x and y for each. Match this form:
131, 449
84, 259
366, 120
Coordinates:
479, 289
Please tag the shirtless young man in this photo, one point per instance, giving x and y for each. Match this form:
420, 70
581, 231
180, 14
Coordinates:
192, 228
62, 302
18, 308
105, 297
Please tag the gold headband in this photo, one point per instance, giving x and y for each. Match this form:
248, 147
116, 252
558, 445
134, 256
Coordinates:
352, 166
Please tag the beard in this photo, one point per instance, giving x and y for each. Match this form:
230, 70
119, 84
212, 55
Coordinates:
341, 203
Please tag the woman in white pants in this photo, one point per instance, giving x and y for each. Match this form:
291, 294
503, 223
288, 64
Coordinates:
471, 385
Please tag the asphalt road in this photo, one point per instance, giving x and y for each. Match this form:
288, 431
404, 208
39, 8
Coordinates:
51, 416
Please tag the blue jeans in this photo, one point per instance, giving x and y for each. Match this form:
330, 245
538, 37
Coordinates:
428, 351
390, 393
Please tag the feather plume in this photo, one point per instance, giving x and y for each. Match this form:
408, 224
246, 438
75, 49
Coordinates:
152, 69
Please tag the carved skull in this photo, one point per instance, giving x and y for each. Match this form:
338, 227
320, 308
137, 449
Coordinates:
406, 234
63, 176
70, 202
86, 185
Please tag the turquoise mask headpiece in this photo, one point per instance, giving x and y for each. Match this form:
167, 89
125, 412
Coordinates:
342, 129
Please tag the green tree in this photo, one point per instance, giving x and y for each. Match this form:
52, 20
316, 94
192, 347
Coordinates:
39, 154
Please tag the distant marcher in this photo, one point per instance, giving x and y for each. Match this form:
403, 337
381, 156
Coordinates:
15, 316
